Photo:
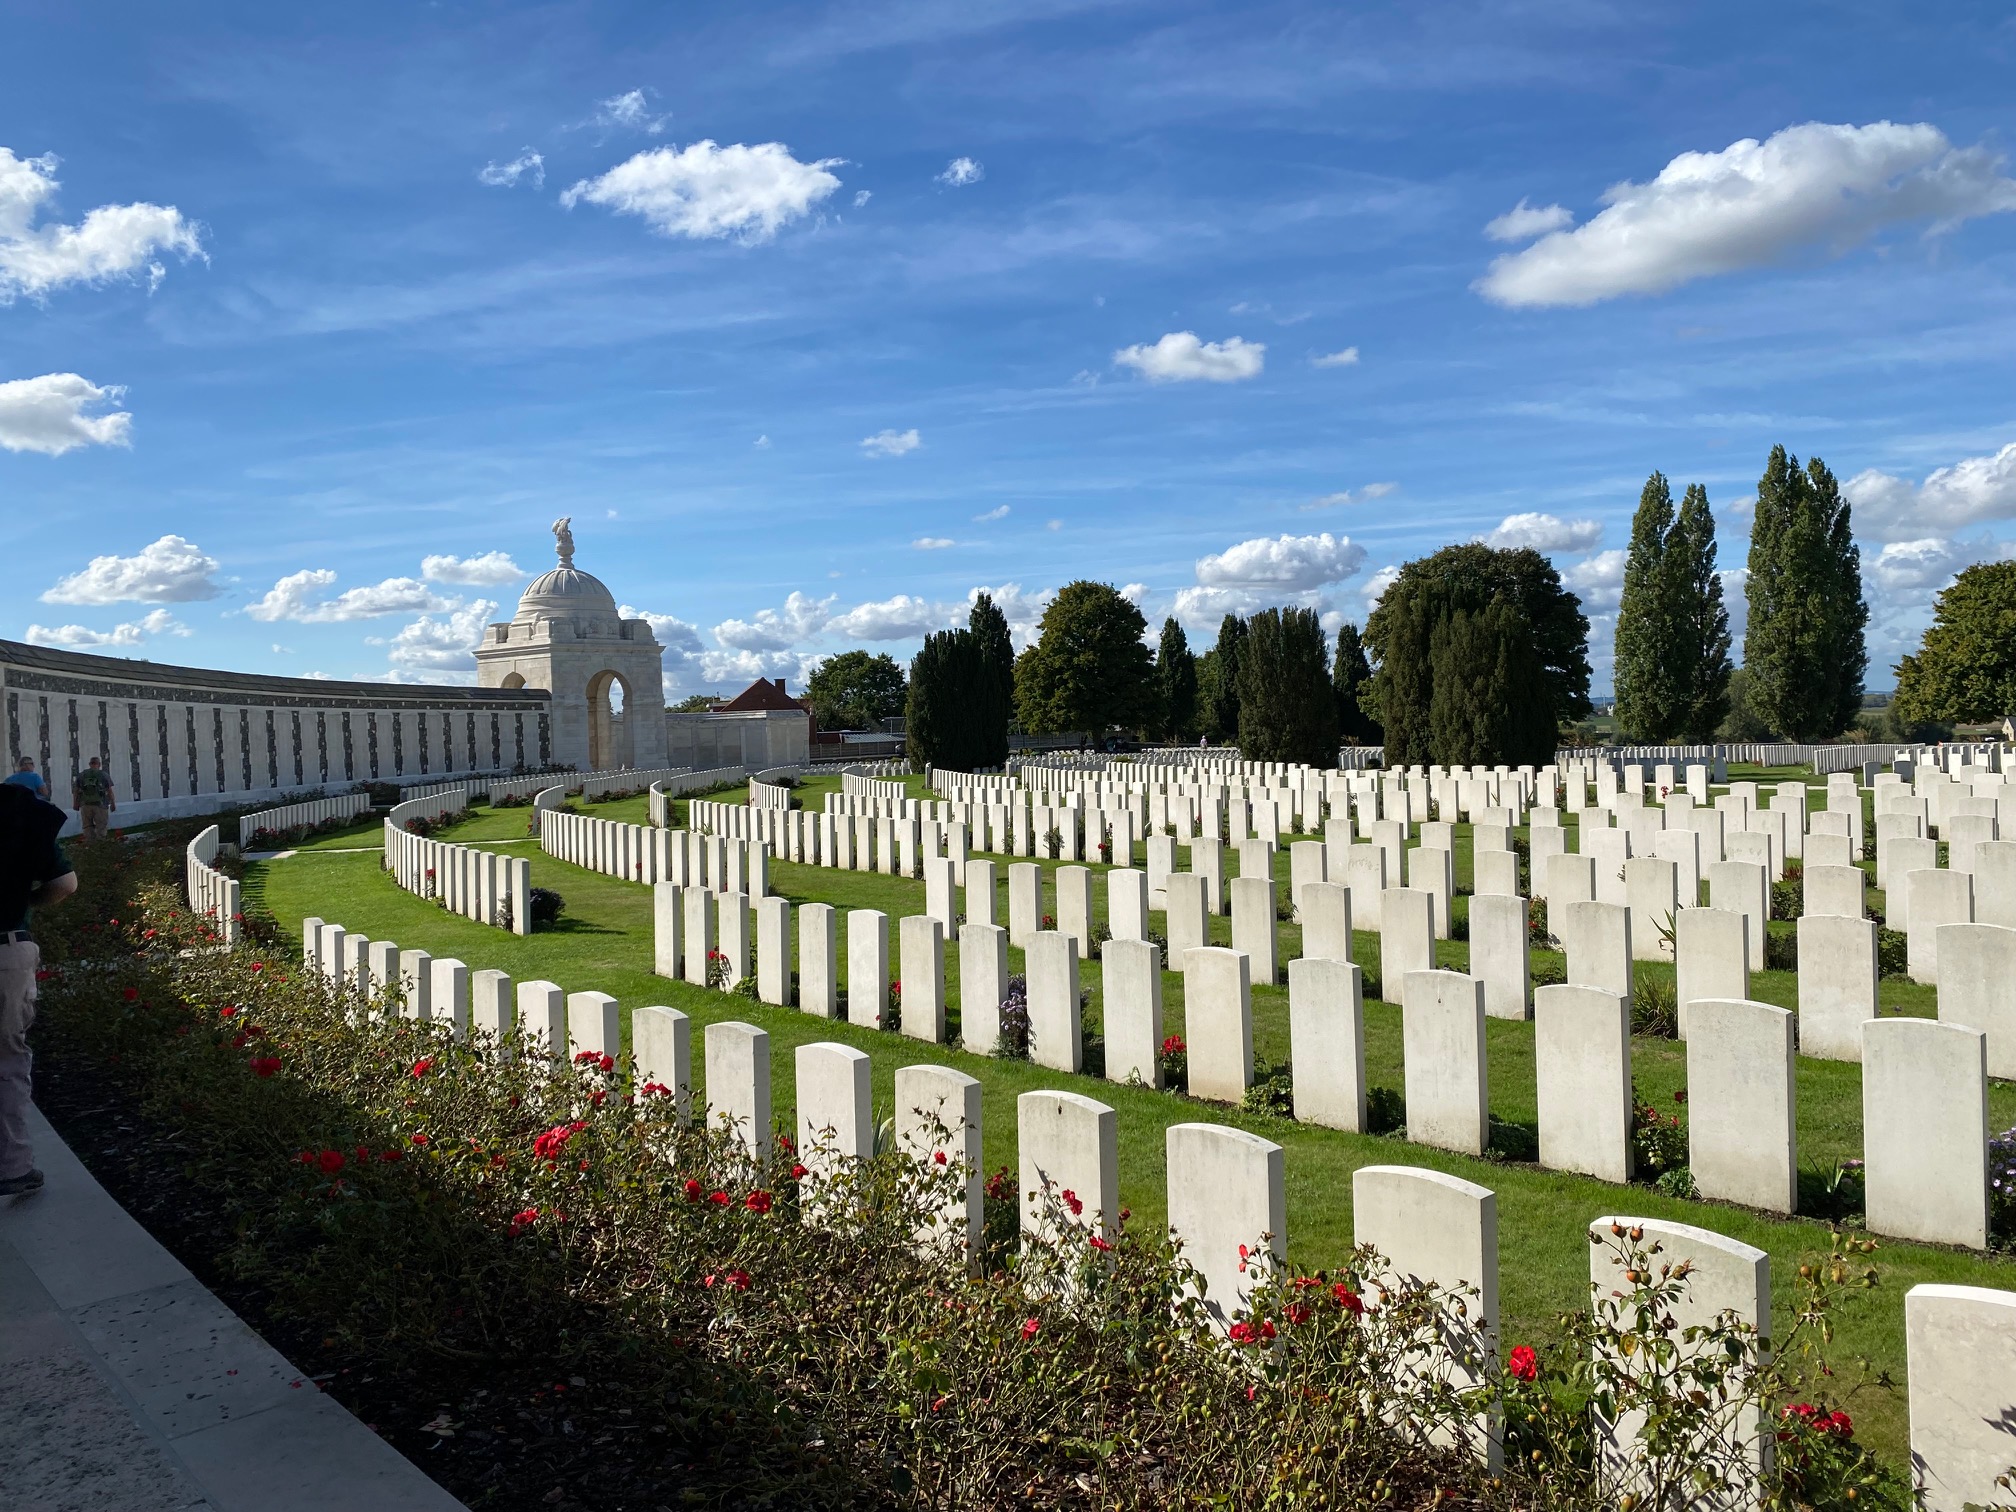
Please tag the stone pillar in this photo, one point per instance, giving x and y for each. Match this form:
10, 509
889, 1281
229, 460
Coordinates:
1127, 903
1977, 987
666, 916
939, 891
738, 1084
1188, 922
1713, 957
1582, 1055
1839, 892
1933, 899
731, 922
1651, 888
1074, 907
1326, 1042
1406, 938
1742, 1131
921, 944
416, 985
980, 900
1564, 878
1365, 875
1207, 860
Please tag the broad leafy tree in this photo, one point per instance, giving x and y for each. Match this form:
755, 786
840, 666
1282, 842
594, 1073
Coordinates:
1349, 673
1804, 646
856, 690
1089, 669
1536, 647
1965, 669
994, 693
1287, 707
1176, 682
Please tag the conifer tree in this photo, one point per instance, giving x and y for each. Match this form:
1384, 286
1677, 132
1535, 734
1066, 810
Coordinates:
994, 693
1176, 681
1287, 708
1648, 700
1223, 715
1350, 672
1700, 621
1804, 647
939, 721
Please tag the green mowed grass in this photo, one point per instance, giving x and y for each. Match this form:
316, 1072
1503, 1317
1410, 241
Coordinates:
603, 942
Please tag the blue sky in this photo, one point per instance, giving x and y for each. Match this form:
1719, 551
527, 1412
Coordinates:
816, 318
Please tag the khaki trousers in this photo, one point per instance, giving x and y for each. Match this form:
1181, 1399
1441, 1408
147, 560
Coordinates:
96, 818
18, 963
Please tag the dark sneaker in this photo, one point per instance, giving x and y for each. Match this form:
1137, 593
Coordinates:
18, 1186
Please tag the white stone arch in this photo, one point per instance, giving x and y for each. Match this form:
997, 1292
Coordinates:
513, 680
610, 700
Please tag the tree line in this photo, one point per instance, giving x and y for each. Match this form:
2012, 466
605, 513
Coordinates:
1473, 654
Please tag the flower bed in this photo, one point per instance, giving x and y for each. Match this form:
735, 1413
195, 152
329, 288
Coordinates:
538, 1282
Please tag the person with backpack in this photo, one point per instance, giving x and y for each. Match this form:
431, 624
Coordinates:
92, 796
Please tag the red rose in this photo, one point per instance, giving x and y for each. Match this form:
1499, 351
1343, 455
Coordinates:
1031, 1328
1071, 1201
130, 994
1100, 1244
757, 1202
420, 1067
1524, 1365
419, 1139
331, 1161
1242, 1333
799, 1172
739, 1279
523, 1221
263, 1066
719, 1199
938, 1157
1347, 1299
693, 1189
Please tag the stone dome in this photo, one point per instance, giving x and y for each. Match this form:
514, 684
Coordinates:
566, 591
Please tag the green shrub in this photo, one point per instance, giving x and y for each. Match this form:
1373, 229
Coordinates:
1893, 953
546, 907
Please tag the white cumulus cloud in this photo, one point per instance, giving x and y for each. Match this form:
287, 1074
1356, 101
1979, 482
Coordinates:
49, 414
705, 190
528, 164
800, 618
933, 543
1523, 222
112, 241
1920, 567
891, 443
170, 571
493, 569
898, 618
960, 172
1179, 357
299, 597
442, 646
1346, 358
1289, 562
1972, 491
1544, 532
1751, 204
131, 633
1598, 580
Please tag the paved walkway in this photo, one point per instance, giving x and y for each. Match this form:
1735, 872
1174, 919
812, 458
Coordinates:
125, 1385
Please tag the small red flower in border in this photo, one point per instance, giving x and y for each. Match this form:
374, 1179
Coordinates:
757, 1202
1524, 1364
422, 1066
520, 1222
263, 1066
1031, 1328
1072, 1202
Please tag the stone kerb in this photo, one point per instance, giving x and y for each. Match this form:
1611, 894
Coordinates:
1431, 1229
1582, 1056
661, 1044
836, 1112
1741, 1103
738, 1084
1837, 985
1228, 1207
1960, 1356
1326, 1042
938, 1113
1925, 1130
1446, 1068
1726, 1277
1069, 1152
1977, 987
1131, 988
1056, 1037
1712, 956
1218, 1019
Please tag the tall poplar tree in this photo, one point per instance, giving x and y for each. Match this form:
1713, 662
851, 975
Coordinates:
1804, 647
1349, 673
994, 691
1672, 667
1222, 718
1176, 681
1700, 621
1287, 708
939, 724
1648, 701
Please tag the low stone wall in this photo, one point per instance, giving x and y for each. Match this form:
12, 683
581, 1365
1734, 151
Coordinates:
277, 821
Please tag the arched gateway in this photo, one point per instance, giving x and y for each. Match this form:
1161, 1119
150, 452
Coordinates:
604, 672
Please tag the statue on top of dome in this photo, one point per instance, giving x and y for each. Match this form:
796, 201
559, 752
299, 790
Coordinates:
563, 540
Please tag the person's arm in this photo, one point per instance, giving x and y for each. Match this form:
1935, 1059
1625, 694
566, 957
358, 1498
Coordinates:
55, 890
